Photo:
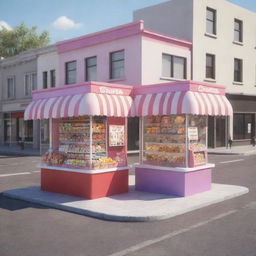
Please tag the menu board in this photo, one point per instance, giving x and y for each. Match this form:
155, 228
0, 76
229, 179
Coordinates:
116, 135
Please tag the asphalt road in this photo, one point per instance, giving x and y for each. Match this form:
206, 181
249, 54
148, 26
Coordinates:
223, 229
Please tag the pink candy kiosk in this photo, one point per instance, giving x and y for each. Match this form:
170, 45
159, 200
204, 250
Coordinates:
173, 136
88, 131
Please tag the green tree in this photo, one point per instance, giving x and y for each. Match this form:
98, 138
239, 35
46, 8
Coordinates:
21, 38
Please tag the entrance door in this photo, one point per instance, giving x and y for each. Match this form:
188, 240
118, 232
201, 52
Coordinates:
220, 131
211, 132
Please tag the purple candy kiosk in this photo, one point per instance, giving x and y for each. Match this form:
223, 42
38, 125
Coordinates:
173, 136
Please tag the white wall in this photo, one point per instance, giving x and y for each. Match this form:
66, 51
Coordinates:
223, 46
47, 62
186, 19
132, 51
152, 60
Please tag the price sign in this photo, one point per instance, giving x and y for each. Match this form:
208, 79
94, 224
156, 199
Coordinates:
193, 133
116, 135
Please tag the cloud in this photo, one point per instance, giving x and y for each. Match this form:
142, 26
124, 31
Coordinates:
64, 23
3, 24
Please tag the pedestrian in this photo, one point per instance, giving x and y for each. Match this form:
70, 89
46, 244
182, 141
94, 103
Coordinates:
253, 141
230, 142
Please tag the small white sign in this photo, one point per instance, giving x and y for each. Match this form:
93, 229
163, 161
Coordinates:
116, 135
105, 90
193, 133
205, 89
249, 128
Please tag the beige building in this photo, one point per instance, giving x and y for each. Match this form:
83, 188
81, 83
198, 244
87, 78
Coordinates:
223, 52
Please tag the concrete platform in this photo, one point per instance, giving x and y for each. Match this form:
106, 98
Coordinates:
132, 206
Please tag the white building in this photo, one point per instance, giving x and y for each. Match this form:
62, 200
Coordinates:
223, 37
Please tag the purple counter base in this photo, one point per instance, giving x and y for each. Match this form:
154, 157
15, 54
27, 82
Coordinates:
180, 182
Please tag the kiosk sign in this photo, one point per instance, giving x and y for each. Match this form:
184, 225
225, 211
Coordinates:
193, 133
116, 91
116, 135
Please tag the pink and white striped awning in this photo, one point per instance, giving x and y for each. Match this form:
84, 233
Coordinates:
181, 102
79, 104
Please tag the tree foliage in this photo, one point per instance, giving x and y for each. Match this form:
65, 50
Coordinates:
21, 38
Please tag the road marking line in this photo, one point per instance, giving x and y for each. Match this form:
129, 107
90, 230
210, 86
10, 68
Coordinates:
36, 171
170, 235
231, 161
14, 174
251, 205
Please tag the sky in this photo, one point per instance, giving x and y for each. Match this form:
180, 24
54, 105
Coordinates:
66, 19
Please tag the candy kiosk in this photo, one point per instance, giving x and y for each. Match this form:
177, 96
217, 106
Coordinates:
88, 133
173, 136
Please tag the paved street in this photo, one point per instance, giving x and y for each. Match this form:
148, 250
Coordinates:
227, 228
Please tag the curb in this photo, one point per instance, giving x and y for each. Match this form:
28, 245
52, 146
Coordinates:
18, 153
121, 218
223, 153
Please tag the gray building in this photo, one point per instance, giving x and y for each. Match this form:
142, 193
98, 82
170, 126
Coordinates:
18, 77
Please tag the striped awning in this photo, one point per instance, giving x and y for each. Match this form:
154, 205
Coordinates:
182, 102
79, 104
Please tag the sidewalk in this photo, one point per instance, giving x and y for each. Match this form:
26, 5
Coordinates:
133, 206
236, 150
16, 150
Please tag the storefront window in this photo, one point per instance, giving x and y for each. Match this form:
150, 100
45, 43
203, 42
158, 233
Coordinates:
164, 140
82, 143
167, 141
44, 135
243, 126
28, 125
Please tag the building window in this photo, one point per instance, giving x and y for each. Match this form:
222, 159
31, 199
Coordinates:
238, 70
117, 65
44, 79
238, 31
210, 66
91, 69
243, 126
10, 88
70, 70
29, 83
53, 78
173, 66
211, 21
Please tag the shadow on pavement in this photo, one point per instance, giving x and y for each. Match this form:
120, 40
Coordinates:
10, 204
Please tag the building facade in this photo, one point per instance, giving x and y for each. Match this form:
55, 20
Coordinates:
223, 37
128, 55
18, 77
47, 77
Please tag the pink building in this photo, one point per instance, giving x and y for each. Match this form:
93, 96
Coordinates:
126, 54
